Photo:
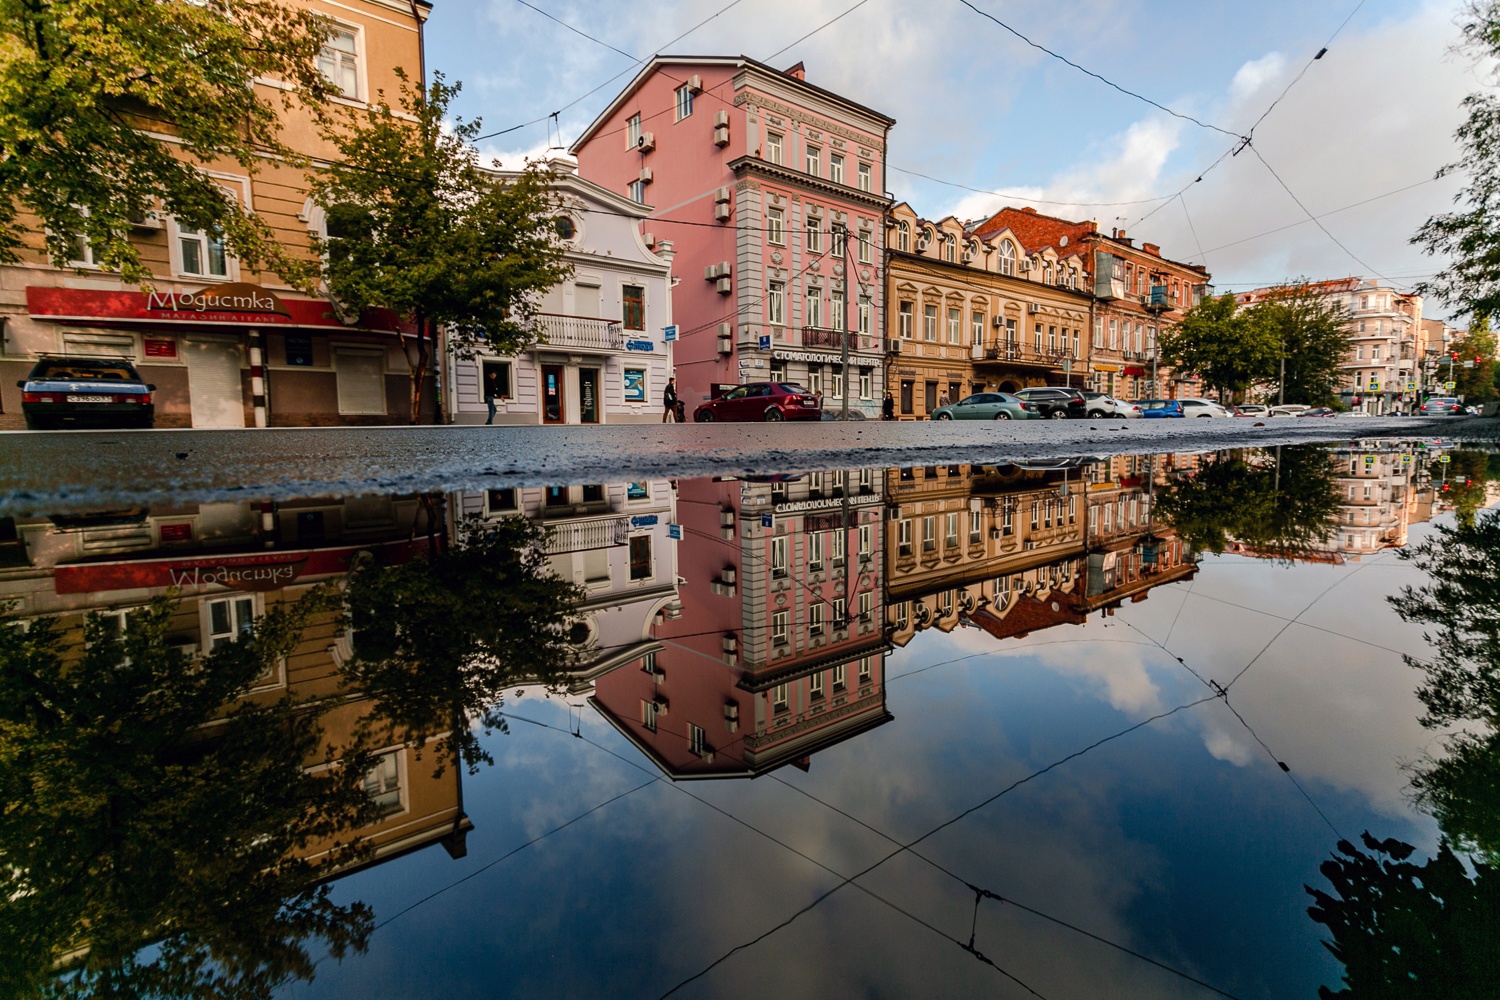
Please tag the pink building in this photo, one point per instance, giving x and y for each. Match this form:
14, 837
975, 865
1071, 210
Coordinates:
780, 647
755, 175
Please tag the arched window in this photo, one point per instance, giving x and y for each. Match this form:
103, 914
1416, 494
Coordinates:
903, 236
950, 248
1007, 257
1046, 272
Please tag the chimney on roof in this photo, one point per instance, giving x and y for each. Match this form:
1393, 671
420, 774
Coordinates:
797, 72
1152, 249
1029, 210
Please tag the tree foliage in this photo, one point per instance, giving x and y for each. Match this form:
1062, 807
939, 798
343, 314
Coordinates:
84, 83
417, 227
438, 640
1312, 334
1417, 932
1470, 237
1282, 503
1475, 384
1219, 343
130, 820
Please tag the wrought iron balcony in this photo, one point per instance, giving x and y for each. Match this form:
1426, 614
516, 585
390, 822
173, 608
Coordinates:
580, 333
1026, 354
818, 336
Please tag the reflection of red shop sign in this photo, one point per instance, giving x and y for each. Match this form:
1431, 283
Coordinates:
238, 298
259, 571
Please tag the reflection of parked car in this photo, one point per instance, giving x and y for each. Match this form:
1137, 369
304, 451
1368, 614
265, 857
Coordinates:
1250, 410
1441, 406
1053, 403
98, 392
1160, 408
1099, 406
1202, 408
1319, 411
761, 401
985, 406
1288, 409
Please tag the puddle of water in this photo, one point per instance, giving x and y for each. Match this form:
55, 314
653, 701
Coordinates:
1075, 727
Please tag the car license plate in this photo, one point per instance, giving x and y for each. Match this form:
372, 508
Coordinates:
88, 399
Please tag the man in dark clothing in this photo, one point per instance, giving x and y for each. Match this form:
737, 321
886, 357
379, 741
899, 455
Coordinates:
888, 408
669, 401
491, 392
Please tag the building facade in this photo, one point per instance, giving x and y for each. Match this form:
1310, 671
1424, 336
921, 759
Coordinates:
969, 314
226, 347
601, 356
772, 189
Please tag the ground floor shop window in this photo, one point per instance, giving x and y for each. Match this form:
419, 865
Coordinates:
495, 380
640, 557
931, 396
361, 381
635, 385
906, 396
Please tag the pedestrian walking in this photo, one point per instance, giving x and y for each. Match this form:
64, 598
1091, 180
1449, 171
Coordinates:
888, 408
669, 402
942, 399
491, 392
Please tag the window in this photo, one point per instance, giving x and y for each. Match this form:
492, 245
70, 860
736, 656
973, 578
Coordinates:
866, 536
950, 248
648, 714
815, 618
836, 383
640, 557
814, 161
863, 177
778, 698
929, 323
840, 234
633, 131
638, 192
862, 324
500, 501
383, 783
904, 314
815, 685
839, 675
230, 619
976, 326
866, 247
773, 148
812, 308
866, 606
954, 326
815, 379
814, 236
903, 537
696, 741
1038, 337
776, 226
1007, 257
976, 525
339, 62
836, 168
633, 307
903, 236
684, 101
778, 556
929, 533
815, 550
778, 628
202, 253
836, 308
776, 303
1075, 343
1007, 517
950, 533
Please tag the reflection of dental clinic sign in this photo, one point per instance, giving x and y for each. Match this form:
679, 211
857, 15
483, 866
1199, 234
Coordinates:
238, 301
794, 506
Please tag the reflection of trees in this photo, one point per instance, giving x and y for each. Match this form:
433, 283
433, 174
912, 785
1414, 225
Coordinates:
1417, 932
139, 810
437, 640
1282, 504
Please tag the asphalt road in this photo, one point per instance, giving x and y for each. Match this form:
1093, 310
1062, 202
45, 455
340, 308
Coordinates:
71, 471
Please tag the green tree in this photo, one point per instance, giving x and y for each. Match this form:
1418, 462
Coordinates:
82, 86
139, 811
1477, 384
1470, 237
420, 229
1417, 932
438, 640
1218, 343
1280, 503
1311, 332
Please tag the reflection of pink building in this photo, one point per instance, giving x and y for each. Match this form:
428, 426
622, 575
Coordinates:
780, 649
764, 167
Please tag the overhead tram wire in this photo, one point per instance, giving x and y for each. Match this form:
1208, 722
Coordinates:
1323, 215
1104, 79
837, 17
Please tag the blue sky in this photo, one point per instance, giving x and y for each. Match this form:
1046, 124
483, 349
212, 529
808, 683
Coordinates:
977, 107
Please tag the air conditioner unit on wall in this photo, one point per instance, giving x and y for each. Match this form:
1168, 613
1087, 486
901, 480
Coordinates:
1033, 307
725, 285
999, 321
646, 143
722, 211
695, 83
721, 119
646, 175
721, 136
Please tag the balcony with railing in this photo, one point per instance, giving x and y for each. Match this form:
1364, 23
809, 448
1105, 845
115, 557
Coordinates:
585, 536
823, 337
580, 333
1015, 352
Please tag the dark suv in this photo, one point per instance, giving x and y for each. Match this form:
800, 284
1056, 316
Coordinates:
96, 392
1054, 403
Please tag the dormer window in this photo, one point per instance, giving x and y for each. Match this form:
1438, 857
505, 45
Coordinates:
1007, 257
950, 248
903, 236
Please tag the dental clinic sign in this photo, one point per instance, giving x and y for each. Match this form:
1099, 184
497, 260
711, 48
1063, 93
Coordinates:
237, 302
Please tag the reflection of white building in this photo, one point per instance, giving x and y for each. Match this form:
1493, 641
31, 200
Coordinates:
614, 542
600, 356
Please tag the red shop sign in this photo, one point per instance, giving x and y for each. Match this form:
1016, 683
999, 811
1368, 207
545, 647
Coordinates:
256, 571
160, 348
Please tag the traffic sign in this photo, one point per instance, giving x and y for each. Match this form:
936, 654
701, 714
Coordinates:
674, 531
1411, 387
1468, 364
1444, 459
1374, 385
765, 342
768, 520
669, 333
1450, 386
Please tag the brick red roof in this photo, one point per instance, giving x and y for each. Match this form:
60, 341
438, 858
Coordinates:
1034, 230
1029, 615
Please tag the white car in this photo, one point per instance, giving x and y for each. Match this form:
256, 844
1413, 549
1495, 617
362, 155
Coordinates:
1288, 409
1100, 406
1203, 408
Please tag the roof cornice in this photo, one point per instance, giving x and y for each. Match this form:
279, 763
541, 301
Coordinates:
755, 165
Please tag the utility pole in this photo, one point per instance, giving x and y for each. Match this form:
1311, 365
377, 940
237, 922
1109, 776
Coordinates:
844, 340
1155, 306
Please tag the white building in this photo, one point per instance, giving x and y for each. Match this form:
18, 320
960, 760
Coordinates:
601, 357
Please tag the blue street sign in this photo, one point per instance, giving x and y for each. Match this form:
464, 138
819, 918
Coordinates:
674, 531
765, 342
639, 345
643, 520
768, 520
669, 333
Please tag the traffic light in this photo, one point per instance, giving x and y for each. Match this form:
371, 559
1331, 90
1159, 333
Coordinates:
1468, 482
1478, 359
1445, 487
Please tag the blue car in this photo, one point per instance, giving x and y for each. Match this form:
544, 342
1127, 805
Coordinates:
1160, 408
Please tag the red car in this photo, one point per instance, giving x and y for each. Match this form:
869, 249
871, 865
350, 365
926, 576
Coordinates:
762, 401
